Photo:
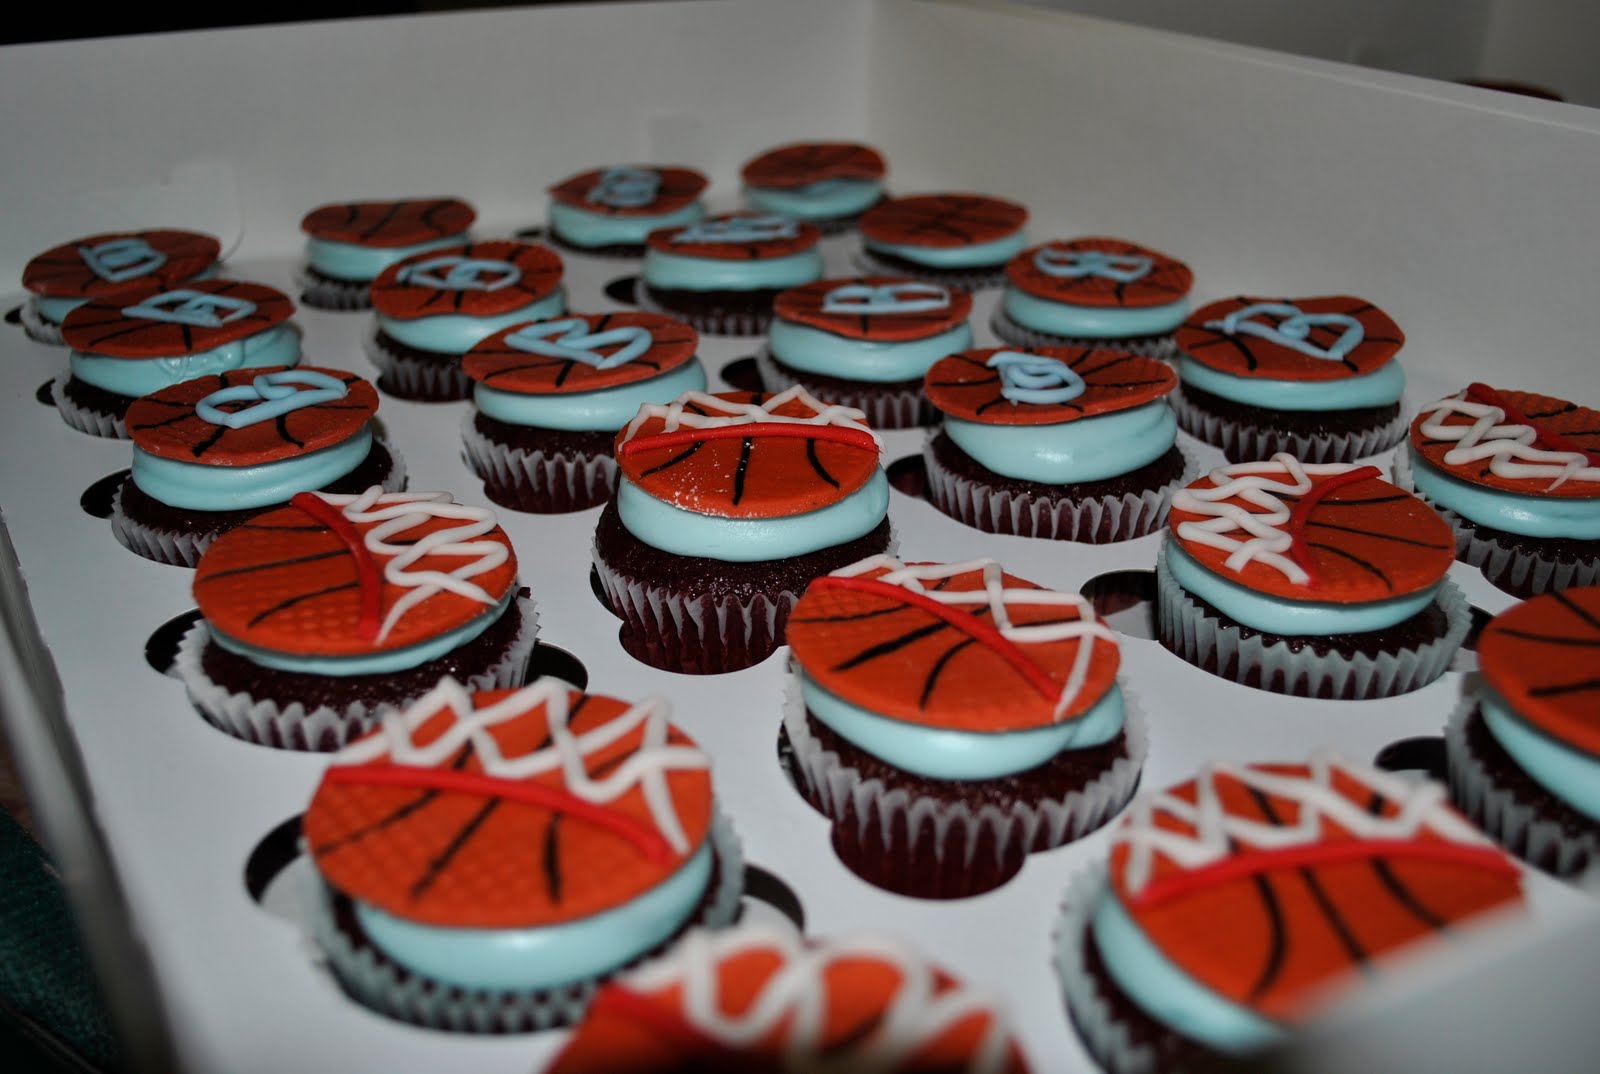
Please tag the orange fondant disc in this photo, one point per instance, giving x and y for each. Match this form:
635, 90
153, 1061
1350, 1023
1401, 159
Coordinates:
804, 305
679, 187
1579, 425
942, 220
1245, 355
161, 326
479, 279
964, 386
474, 859
804, 163
804, 238
1540, 656
389, 223
1167, 280
502, 365
69, 270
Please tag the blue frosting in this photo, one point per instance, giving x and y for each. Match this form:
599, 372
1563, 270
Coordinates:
1281, 615
976, 255
1088, 449
1167, 993
1292, 328
141, 376
687, 273
55, 310
545, 956
581, 227
271, 395
751, 540
1091, 322
457, 333
1079, 264
1570, 774
819, 201
199, 487
1532, 516
940, 753
873, 361
360, 264
1035, 378
606, 409
625, 187
121, 260
1380, 387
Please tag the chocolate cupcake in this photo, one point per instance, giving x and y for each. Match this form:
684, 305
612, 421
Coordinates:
722, 273
130, 264
961, 240
349, 244
609, 212
829, 184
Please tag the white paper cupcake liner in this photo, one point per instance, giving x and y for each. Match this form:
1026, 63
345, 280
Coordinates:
1515, 569
1119, 518
538, 474
295, 727
1247, 443
335, 296
719, 323
39, 329
974, 280
433, 382
83, 419
1193, 634
1163, 348
886, 408
380, 984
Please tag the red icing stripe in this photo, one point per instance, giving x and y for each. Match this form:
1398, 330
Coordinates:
1300, 515
965, 622
771, 429
631, 1006
647, 841
1548, 439
367, 573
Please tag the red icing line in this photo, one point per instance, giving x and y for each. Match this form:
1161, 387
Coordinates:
965, 622
1301, 514
636, 1007
647, 841
1479, 392
853, 437
1178, 885
367, 574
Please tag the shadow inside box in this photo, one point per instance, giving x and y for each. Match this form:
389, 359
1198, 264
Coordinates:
1126, 600
97, 499
624, 289
45, 394
742, 375
14, 315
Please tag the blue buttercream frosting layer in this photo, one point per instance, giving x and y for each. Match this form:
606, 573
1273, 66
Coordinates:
605, 410
681, 272
457, 333
1381, 387
819, 201
1577, 518
583, 228
874, 361
978, 254
1571, 775
347, 261
751, 540
1068, 452
141, 376
549, 955
196, 486
1091, 322
55, 310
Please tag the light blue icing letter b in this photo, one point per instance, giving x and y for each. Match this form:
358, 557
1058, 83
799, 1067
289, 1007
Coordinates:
1034, 378
1293, 329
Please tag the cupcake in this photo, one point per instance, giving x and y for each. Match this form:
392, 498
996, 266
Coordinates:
322, 616
1244, 902
1065, 443
609, 212
759, 997
123, 349
1517, 476
433, 308
484, 860
1317, 581
865, 342
1314, 377
721, 274
125, 263
216, 451
1524, 746
549, 397
348, 244
1094, 293
963, 240
952, 718
829, 184
727, 507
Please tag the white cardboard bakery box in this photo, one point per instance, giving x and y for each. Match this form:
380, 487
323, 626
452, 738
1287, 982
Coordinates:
1468, 215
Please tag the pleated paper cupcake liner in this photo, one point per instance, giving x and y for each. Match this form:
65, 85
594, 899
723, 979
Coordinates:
535, 480
380, 984
39, 329
1517, 570
420, 381
614, 251
1159, 347
83, 419
1248, 443
335, 296
883, 821
1513, 820
976, 279
295, 726
1192, 633
1093, 520
885, 406
714, 322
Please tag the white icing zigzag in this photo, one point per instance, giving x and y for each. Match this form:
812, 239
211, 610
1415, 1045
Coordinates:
647, 769
725, 413
794, 997
996, 597
1212, 830
1508, 447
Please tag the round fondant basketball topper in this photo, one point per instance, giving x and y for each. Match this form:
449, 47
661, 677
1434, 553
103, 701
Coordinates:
1043, 385
631, 190
1334, 532
960, 646
1520, 442
942, 220
1325, 338
1539, 656
340, 576
1267, 883
119, 260
1100, 272
389, 223
199, 315
478, 279
737, 237
582, 352
510, 808
804, 163
890, 309
246, 417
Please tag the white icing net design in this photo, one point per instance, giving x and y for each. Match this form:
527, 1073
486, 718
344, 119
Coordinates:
724, 414
646, 769
1508, 446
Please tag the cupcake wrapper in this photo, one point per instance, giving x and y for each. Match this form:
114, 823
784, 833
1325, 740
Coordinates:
1097, 520
709, 322
93, 422
1247, 443
270, 723
614, 251
1190, 632
1510, 820
407, 378
885, 408
973, 280
1163, 348
377, 983
536, 480
337, 296
39, 329
1516, 570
